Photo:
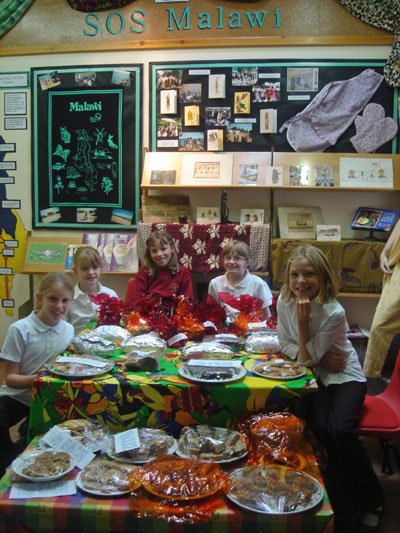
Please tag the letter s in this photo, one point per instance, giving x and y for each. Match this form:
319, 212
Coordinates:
95, 26
139, 22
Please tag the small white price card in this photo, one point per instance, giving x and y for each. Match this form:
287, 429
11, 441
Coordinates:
84, 361
61, 441
214, 362
127, 440
48, 489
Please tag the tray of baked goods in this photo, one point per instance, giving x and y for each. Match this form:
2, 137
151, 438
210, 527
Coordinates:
108, 478
79, 366
280, 369
153, 443
210, 443
43, 465
274, 489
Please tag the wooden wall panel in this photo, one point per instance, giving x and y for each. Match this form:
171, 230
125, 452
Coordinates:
53, 26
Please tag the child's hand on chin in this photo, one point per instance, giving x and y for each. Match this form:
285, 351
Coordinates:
303, 308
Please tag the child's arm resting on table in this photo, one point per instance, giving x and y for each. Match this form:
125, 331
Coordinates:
14, 379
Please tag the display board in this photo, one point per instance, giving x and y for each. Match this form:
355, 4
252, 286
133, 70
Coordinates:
86, 146
242, 106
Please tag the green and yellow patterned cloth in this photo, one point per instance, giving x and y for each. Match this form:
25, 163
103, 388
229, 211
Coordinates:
122, 400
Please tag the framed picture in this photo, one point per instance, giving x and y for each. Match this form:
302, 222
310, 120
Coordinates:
162, 168
299, 222
46, 253
252, 216
207, 169
250, 168
86, 145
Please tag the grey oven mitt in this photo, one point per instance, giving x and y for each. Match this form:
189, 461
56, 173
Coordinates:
373, 129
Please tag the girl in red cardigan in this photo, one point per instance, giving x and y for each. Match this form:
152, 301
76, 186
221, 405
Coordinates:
161, 272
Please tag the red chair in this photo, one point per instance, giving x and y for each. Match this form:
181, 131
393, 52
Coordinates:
380, 418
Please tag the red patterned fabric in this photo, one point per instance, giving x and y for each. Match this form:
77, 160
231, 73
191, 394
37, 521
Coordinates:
89, 6
199, 246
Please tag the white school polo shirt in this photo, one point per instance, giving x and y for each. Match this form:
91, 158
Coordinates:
32, 343
82, 310
250, 284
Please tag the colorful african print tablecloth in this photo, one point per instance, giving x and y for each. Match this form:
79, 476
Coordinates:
122, 400
84, 513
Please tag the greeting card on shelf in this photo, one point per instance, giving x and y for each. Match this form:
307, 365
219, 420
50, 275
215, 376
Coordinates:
366, 172
208, 215
331, 232
299, 222
252, 216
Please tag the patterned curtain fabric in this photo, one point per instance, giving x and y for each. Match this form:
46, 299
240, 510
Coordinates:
384, 14
97, 5
10, 13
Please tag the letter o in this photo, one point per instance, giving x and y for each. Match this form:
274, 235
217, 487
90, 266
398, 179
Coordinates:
121, 18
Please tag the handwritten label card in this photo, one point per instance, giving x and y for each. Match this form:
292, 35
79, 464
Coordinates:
48, 489
220, 363
61, 441
127, 440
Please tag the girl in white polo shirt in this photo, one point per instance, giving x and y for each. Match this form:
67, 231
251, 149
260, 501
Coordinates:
312, 329
87, 267
31, 343
237, 281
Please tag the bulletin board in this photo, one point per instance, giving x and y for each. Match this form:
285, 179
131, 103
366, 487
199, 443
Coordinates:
86, 146
241, 106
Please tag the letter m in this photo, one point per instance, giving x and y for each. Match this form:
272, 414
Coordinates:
172, 18
255, 18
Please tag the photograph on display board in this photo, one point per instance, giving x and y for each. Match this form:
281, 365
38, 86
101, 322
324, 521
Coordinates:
239, 133
244, 75
87, 142
191, 142
190, 93
302, 79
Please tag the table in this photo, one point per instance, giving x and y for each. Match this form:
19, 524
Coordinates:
87, 514
122, 400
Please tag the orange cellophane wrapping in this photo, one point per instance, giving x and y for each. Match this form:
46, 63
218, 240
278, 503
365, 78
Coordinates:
135, 323
278, 438
178, 478
244, 319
